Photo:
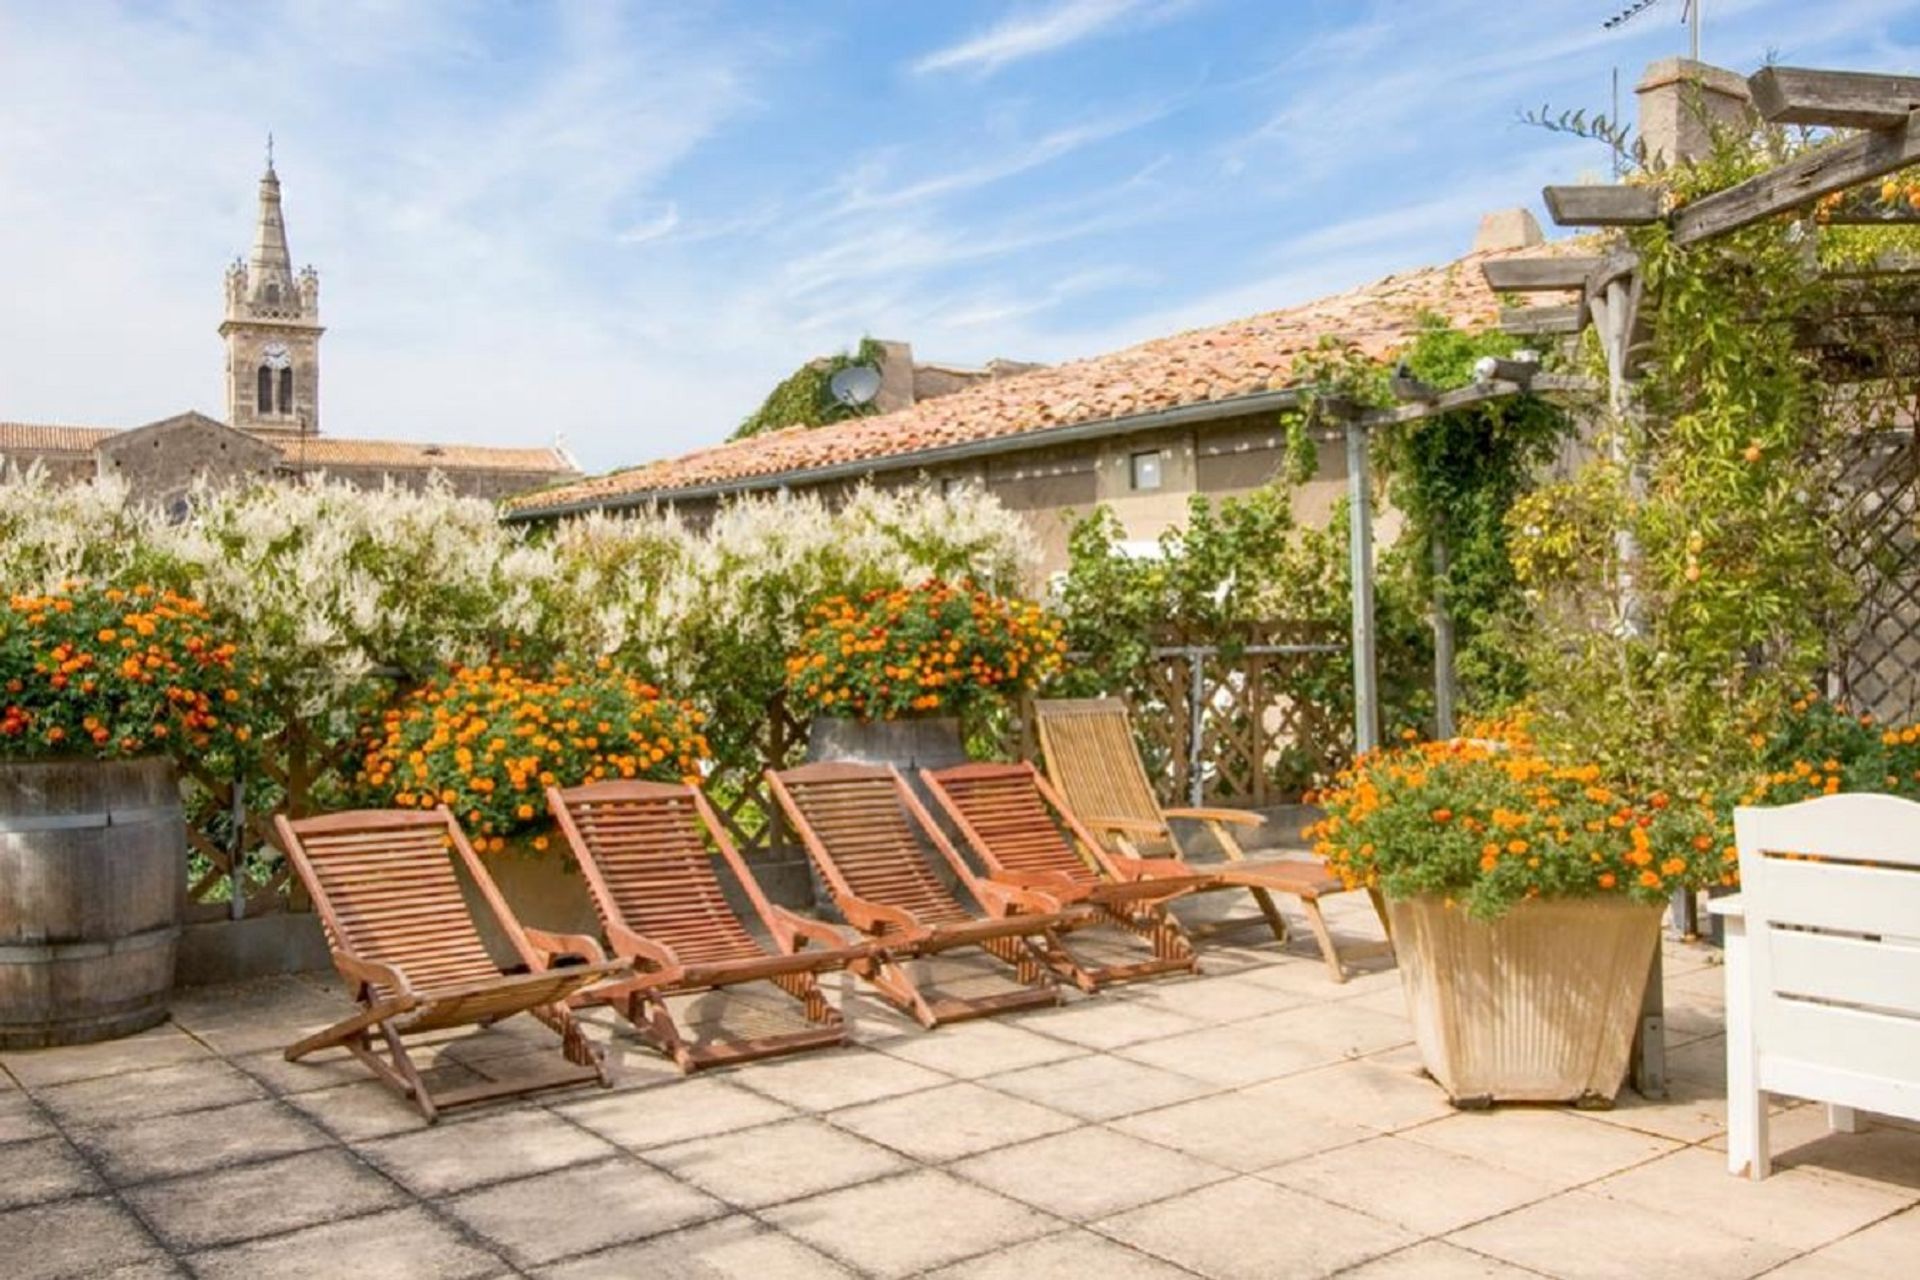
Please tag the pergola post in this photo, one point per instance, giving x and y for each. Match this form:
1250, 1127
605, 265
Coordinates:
1444, 675
1366, 676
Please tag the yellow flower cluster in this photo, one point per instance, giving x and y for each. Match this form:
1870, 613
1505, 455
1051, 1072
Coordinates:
486, 741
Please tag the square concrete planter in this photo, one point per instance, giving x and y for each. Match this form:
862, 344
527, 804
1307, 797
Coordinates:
1539, 1005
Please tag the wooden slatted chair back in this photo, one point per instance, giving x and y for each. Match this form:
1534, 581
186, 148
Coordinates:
858, 827
1001, 811
643, 849
384, 885
1830, 890
1093, 760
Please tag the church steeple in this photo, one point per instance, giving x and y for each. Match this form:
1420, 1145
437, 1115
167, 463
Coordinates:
272, 328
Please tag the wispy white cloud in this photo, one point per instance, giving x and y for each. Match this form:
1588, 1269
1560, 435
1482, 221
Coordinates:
1028, 34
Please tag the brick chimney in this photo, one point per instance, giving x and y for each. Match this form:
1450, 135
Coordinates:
1507, 229
1681, 101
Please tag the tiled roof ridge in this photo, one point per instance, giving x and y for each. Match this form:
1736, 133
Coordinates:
1193, 365
41, 437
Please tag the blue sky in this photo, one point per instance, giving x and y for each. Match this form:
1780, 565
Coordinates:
621, 223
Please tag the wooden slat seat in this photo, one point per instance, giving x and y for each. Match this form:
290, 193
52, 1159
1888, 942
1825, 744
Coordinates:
863, 826
643, 849
1024, 836
403, 937
1094, 762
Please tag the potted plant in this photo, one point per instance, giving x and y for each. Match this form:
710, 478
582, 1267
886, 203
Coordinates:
889, 677
99, 687
1525, 896
486, 741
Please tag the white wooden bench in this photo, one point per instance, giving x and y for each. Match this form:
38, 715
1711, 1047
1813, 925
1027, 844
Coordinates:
1822, 965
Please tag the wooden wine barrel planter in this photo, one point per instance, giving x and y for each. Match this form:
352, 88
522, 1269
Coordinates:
92, 869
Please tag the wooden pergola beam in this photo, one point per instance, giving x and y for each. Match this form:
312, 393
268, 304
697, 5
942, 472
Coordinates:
1597, 205
1539, 321
1537, 275
1865, 213
1839, 99
1800, 181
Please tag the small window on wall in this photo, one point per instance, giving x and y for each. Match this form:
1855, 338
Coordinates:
1144, 470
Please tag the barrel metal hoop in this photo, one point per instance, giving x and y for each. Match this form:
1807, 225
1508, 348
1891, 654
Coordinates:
68, 951
91, 821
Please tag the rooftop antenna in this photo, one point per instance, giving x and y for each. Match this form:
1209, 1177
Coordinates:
855, 386
1689, 14
269, 151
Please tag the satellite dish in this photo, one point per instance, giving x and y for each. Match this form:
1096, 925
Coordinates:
855, 385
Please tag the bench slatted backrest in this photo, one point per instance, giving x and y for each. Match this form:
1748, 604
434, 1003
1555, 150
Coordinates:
1091, 755
643, 850
856, 813
1831, 893
384, 883
1005, 818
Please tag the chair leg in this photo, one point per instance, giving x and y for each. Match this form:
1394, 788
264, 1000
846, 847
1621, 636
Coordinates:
805, 987
408, 1077
1275, 921
653, 1023
1029, 962
1155, 924
1380, 909
1843, 1119
1318, 923
344, 1031
896, 986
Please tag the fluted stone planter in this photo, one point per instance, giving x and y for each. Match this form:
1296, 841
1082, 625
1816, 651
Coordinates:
1539, 1005
918, 742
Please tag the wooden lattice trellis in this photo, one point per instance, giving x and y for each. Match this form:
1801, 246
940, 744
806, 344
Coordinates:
1876, 666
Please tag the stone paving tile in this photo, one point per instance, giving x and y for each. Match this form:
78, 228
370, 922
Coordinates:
1098, 1024
1425, 1190
696, 1108
192, 1142
1099, 1087
588, 1207
1883, 1251
136, 1095
369, 1109
1277, 1044
72, 1238
1241, 1132
323, 1070
1882, 1153
405, 1244
1364, 1091
1064, 1256
1691, 1112
733, 1248
1796, 1207
837, 1078
162, 1046
1087, 1173
1703, 1060
1248, 1229
43, 1169
1219, 1000
899, 1226
944, 1124
751, 1168
465, 1153
253, 1016
1579, 1235
969, 1050
20, 1118
1556, 1147
1437, 1260
264, 1199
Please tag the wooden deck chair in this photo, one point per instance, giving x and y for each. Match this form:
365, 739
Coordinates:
642, 847
1024, 836
1094, 762
861, 825
403, 937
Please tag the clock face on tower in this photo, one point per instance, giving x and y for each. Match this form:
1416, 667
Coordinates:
275, 356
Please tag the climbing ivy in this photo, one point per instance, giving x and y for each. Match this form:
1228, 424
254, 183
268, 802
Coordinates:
804, 399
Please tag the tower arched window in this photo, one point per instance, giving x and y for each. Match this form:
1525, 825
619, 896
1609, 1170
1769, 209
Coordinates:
273, 294
263, 396
286, 390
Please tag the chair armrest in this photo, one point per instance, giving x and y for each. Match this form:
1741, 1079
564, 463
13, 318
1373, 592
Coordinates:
549, 947
794, 931
890, 923
1039, 880
1007, 899
1128, 826
1151, 868
370, 973
1728, 906
1238, 817
632, 946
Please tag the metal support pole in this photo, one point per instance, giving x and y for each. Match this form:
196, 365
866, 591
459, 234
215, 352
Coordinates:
237, 853
1366, 677
1196, 730
1443, 665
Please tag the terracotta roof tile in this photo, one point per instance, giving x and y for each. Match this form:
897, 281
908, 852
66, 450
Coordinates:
22, 439
1239, 358
38, 437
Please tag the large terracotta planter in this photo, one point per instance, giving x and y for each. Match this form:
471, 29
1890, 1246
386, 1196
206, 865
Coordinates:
1539, 1005
93, 865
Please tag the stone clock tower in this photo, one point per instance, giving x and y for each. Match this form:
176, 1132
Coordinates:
272, 331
